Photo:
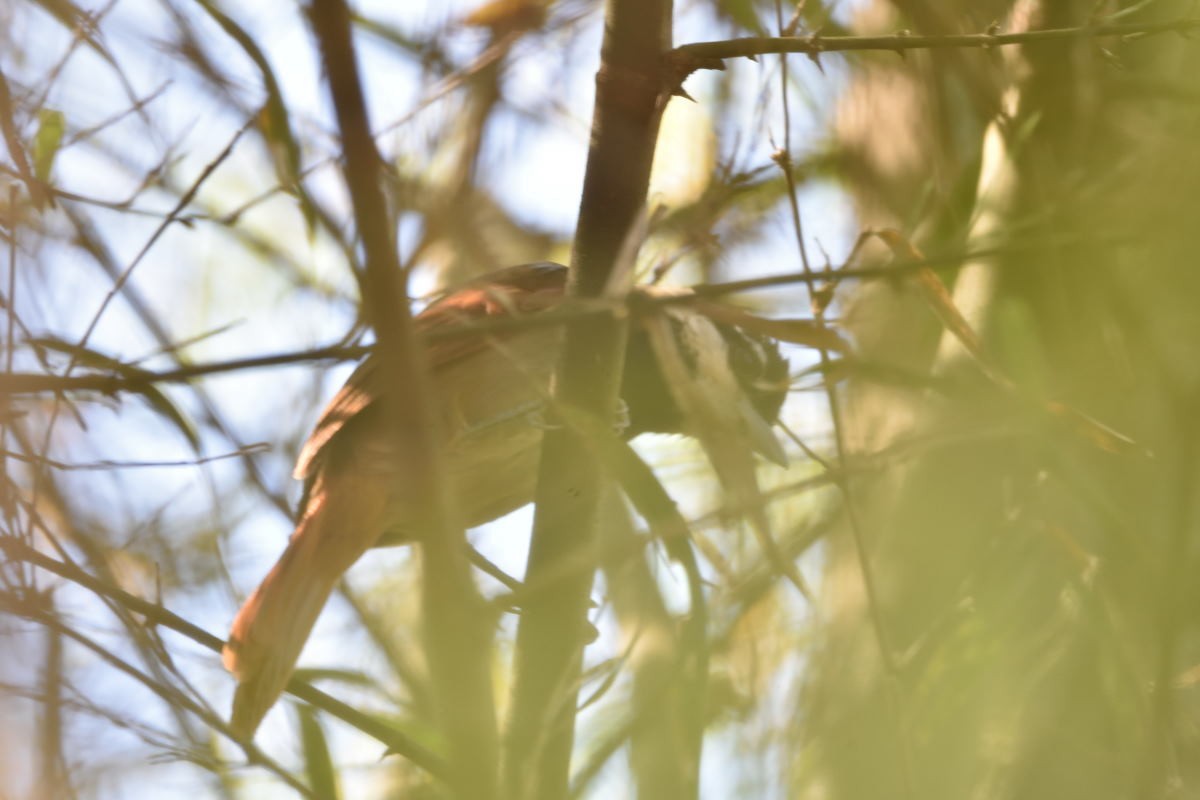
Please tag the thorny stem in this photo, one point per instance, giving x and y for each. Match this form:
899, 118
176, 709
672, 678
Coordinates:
457, 633
815, 45
875, 611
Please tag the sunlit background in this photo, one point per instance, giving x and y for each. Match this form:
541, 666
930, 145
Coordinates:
1016, 531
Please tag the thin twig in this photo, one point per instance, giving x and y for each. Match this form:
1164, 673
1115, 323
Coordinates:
121, 280
175, 699
396, 741
33, 383
16, 150
106, 465
458, 636
874, 604
571, 487
816, 45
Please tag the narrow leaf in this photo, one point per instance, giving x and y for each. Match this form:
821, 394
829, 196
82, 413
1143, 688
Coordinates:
805, 332
714, 419
139, 383
940, 300
46, 144
274, 119
318, 764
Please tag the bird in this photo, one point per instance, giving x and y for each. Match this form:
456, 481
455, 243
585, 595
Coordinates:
490, 391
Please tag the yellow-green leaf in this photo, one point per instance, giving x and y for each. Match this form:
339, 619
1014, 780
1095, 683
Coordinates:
46, 144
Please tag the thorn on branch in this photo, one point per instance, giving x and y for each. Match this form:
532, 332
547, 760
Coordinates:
992, 31
821, 295
680, 66
903, 33
816, 46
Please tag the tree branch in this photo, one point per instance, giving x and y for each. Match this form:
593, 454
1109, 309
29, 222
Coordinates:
630, 97
690, 57
134, 378
16, 549
457, 628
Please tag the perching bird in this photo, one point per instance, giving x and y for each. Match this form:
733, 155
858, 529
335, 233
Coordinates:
490, 392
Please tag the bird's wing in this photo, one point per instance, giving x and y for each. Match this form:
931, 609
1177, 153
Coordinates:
514, 291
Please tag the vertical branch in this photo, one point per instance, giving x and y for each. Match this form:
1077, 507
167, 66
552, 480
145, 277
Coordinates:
664, 745
8, 491
1155, 771
456, 624
875, 607
630, 95
54, 777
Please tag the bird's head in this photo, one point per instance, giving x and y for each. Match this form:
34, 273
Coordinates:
685, 369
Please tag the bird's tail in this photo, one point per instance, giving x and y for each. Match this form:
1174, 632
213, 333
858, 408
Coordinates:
274, 623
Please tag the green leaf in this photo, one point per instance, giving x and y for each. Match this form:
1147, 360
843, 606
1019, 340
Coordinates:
46, 144
346, 676
274, 122
318, 764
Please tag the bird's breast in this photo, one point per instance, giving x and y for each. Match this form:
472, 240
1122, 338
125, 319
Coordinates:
491, 407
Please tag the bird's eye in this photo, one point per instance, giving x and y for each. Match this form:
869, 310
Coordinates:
746, 357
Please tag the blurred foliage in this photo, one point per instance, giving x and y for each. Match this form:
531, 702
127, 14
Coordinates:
1034, 589
1005, 606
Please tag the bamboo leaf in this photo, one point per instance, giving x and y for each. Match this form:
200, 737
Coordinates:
719, 426
318, 763
139, 382
940, 300
274, 120
46, 144
806, 332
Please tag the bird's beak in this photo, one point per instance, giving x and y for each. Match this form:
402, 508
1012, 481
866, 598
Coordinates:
762, 438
